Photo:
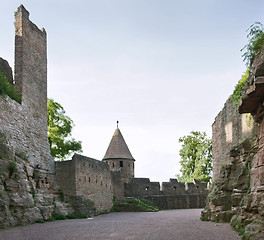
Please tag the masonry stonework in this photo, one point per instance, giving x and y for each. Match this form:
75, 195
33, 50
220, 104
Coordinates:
32, 186
237, 192
28, 191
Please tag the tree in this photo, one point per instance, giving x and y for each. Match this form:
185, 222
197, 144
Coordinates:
196, 157
59, 132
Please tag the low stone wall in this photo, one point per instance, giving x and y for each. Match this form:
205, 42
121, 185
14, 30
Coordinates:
173, 195
180, 201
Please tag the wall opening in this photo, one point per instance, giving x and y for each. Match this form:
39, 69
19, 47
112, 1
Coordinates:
121, 163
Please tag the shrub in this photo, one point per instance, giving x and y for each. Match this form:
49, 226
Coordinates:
237, 94
12, 168
255, 42
6, 88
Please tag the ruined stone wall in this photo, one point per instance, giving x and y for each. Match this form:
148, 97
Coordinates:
173, 195
28, 192
229, 130
86, 177
236, 194
65, 177
25, 124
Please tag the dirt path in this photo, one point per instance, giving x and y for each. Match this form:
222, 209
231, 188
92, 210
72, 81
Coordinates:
164, 225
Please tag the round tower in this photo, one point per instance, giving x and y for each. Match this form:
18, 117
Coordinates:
118, 156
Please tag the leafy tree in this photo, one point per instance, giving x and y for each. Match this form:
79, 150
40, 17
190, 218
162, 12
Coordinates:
255, 42
59, 132
196, 157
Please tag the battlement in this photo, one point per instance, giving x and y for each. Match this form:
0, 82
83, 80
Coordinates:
141, 187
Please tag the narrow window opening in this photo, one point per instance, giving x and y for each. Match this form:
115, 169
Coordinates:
121, 163
113, 164
89, 180
174, 188
147, 188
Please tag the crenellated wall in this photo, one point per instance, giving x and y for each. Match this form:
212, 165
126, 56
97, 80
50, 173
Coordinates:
173, 194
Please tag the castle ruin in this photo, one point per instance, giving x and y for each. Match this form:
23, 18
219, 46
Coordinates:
32, 185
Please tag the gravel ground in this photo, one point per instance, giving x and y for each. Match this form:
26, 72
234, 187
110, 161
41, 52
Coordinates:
181, 224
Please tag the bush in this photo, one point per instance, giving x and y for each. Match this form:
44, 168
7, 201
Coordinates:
56, 216
12, 168
237, 94
255, 42
6, 88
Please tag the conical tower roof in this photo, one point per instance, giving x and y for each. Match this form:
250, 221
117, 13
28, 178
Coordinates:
117, 148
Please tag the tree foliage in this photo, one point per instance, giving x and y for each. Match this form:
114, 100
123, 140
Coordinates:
196, 157
59, 132
255, 42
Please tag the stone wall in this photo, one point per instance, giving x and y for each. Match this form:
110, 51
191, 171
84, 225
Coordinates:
27, 186
173, 195
25, 124
236, 194
229, 130
86, 177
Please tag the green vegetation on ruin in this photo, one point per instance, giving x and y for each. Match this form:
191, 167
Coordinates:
22, 155
237, 94
7, 89
251, 49
12, 168
134, 205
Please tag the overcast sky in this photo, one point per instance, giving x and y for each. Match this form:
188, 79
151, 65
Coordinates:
162, 68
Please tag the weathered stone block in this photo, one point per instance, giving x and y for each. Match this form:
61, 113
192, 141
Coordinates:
23, 200
46, 211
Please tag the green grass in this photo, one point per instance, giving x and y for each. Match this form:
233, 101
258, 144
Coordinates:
12, 168
22, 155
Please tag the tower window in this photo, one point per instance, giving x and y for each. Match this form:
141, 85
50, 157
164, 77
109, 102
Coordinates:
113, 164
121, 163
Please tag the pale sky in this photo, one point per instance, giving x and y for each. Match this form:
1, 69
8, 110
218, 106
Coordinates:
162, 68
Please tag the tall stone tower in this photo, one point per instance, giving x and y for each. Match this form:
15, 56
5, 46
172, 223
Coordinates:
31, 81
118, 156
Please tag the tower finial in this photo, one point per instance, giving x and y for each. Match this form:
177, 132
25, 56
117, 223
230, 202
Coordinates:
117, 123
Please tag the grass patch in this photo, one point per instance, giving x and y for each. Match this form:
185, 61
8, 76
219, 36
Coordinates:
40, 221
56, 216
12, 168
22, 155
236, 226
237, 94
6, 88
204, 219
76, 216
